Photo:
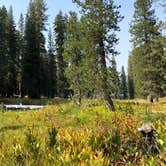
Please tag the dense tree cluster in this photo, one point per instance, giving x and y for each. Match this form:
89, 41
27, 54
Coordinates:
147, 62
79, 58
9, 59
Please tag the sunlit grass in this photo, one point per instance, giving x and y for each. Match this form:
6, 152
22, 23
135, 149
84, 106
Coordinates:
86, 135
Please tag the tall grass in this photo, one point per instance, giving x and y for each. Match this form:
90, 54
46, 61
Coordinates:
65, 134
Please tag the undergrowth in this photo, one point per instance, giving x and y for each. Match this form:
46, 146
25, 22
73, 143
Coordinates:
65, 134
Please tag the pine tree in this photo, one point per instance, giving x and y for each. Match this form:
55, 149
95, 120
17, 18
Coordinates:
52, 70
31, 61
21, 52
12, 55
114, 80
163, 68
60, 37
40, 24
131, 92
73, 56
3, 50
102, 17
35, 52
147, 52
123, 84
90, 87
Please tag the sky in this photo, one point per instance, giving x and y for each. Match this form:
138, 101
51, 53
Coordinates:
54, 6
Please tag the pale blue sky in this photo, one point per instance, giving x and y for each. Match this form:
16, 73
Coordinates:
127, 10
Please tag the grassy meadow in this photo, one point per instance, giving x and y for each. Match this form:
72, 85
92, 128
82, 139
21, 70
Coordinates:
63, 134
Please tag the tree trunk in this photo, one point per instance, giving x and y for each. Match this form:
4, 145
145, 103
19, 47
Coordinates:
79, 99
104, 83
109, 101
150, 98
79, 90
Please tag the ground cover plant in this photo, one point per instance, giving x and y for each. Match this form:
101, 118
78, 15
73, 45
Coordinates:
65, 134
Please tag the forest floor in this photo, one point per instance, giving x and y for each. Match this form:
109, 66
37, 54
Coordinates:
64, 134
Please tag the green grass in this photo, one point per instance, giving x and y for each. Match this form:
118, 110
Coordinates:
64, 134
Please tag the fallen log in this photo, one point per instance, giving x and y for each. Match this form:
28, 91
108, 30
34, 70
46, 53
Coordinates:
22, 107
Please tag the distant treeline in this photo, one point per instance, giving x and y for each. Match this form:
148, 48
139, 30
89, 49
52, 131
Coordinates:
79, 57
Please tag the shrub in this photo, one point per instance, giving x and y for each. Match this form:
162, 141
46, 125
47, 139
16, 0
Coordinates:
1, 107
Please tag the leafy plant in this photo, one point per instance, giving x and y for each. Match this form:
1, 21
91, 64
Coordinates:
18, 155
52, 137
32, 144
65, 134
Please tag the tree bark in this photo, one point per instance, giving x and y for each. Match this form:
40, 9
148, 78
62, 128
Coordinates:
150, 98
104, 81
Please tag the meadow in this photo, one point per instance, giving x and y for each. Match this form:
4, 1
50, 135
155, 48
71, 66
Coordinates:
64, 134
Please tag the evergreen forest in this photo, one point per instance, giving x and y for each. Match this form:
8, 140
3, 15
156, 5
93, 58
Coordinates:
92, 114
78, 57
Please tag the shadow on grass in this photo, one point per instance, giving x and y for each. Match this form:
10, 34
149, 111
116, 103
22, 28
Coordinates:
6, 128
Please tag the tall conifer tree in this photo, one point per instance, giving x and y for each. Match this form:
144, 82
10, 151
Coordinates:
60, 37
52, 69
33, 67
148, 50
102, 17
31, 64
3, 50
21, 52
114, 80
40, 24
123, 84
73, 56
131, 92
12, 55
